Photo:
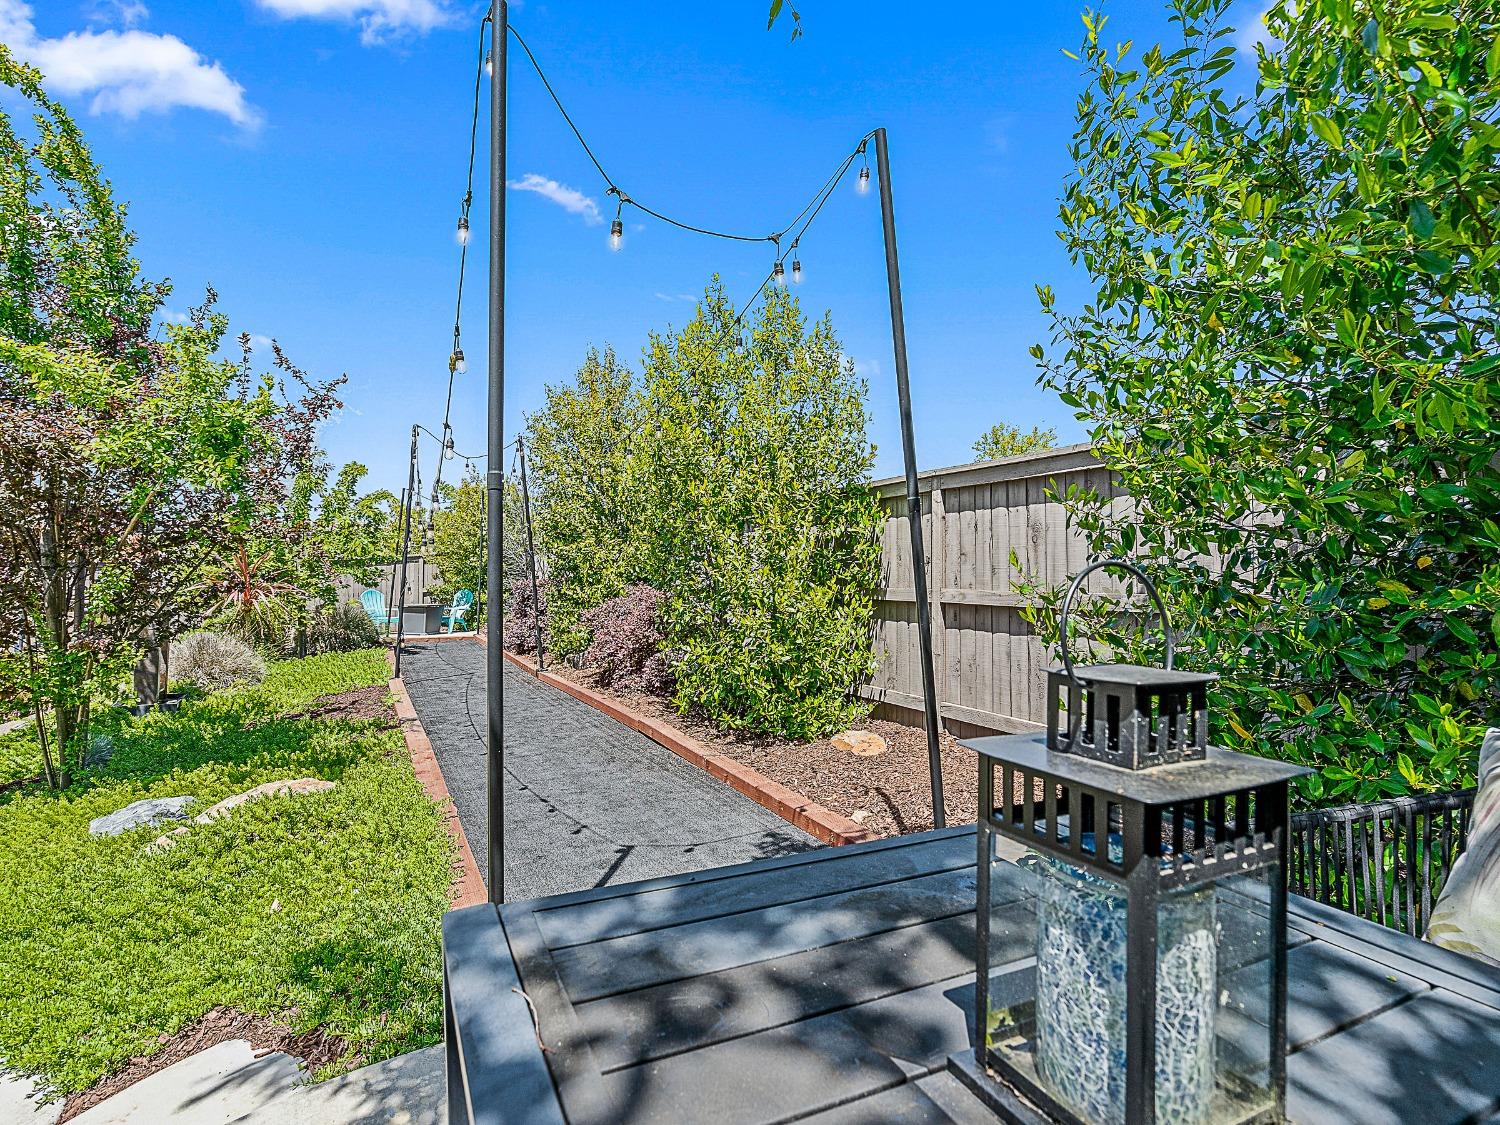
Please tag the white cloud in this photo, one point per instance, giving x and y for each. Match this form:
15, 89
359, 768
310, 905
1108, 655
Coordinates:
128, 72
379, 20
688, 297
1251, 31
569, 199
126, 13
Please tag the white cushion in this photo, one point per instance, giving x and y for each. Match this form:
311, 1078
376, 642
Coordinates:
1466, 917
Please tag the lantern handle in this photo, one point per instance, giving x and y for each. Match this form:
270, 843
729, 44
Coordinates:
1140, 575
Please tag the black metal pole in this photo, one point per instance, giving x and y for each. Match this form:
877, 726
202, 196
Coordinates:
913, 494
482, 594
411, 496
390, 601
494, 657
536, 598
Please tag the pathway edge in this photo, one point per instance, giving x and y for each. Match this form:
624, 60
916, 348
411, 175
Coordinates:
821, 823
468, 887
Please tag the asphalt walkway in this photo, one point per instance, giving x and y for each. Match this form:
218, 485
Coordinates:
588, 802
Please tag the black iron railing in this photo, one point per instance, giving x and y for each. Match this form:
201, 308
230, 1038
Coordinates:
1384, 861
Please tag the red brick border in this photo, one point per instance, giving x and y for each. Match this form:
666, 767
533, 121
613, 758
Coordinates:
467, 888
824, 824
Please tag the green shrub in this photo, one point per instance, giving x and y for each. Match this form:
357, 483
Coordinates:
215, 661
579, 449
344, 628
1290, 362
751, 466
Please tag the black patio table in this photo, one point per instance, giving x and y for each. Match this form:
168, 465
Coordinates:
832, 986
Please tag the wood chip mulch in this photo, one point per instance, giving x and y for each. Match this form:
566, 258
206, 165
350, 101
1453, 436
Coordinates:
361, 703
317, 1048
888, 793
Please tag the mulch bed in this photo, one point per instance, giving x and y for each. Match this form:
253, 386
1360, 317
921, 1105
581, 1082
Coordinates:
317, 1048
887, 793
361, 703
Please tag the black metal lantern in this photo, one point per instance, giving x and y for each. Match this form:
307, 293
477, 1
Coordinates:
1155, 887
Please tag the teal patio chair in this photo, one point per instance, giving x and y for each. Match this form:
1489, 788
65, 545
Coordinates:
374, 603
454, 615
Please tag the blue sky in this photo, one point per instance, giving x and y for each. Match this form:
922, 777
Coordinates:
306, 159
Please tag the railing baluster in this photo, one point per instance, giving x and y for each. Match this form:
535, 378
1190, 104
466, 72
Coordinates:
1345, 858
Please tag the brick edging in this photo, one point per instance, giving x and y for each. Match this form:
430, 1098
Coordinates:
803, 812
467, 888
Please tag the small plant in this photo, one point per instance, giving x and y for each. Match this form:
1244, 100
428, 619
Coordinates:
627, 645
215, 661
344, 628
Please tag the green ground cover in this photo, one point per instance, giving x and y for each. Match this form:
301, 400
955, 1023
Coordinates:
322, 910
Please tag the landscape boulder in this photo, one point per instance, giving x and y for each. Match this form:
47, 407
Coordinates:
296, 788
153, 810
865, 743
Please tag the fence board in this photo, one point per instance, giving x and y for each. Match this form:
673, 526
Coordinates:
990, 669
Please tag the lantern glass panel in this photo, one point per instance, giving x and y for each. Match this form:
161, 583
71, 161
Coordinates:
1061, 1027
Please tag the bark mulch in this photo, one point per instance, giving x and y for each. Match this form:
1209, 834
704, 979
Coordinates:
361, 703
317, 1048
888, 793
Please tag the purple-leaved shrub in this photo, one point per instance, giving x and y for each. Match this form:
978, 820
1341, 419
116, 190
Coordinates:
627, 645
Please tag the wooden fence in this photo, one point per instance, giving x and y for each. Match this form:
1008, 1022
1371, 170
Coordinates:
990, 670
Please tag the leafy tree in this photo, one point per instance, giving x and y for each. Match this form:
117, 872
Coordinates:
282, 569
459, 547
1290, 361
1004, 440
584, 512
775, 13
751, 465
128, 461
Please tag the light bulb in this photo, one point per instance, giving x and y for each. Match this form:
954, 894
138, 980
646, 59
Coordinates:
463, 230
797, 271
616, 234
778, 274
456, 361
489, 63
864, 180
448, 449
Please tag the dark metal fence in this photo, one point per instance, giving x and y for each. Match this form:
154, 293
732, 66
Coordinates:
1384, 861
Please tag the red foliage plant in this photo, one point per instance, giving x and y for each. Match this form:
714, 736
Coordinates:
627, 645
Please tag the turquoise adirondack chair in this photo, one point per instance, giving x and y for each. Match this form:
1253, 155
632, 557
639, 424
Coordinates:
374, 603
454, 615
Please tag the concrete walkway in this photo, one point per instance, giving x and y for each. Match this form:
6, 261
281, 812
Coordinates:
588, 802
229, 1084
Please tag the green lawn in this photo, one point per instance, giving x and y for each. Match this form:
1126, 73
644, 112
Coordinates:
322, 909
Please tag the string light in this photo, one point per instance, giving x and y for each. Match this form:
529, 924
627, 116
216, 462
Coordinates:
456, 361
463, 228
798, 226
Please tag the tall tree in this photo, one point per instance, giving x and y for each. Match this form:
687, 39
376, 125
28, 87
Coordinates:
585, 512
1291, 363
1004, 440
752, 467
128, 461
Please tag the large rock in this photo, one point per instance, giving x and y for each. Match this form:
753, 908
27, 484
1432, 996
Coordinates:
153, 810
296, 788
865, 743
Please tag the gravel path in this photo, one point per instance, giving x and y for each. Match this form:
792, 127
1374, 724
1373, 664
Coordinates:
588, 802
